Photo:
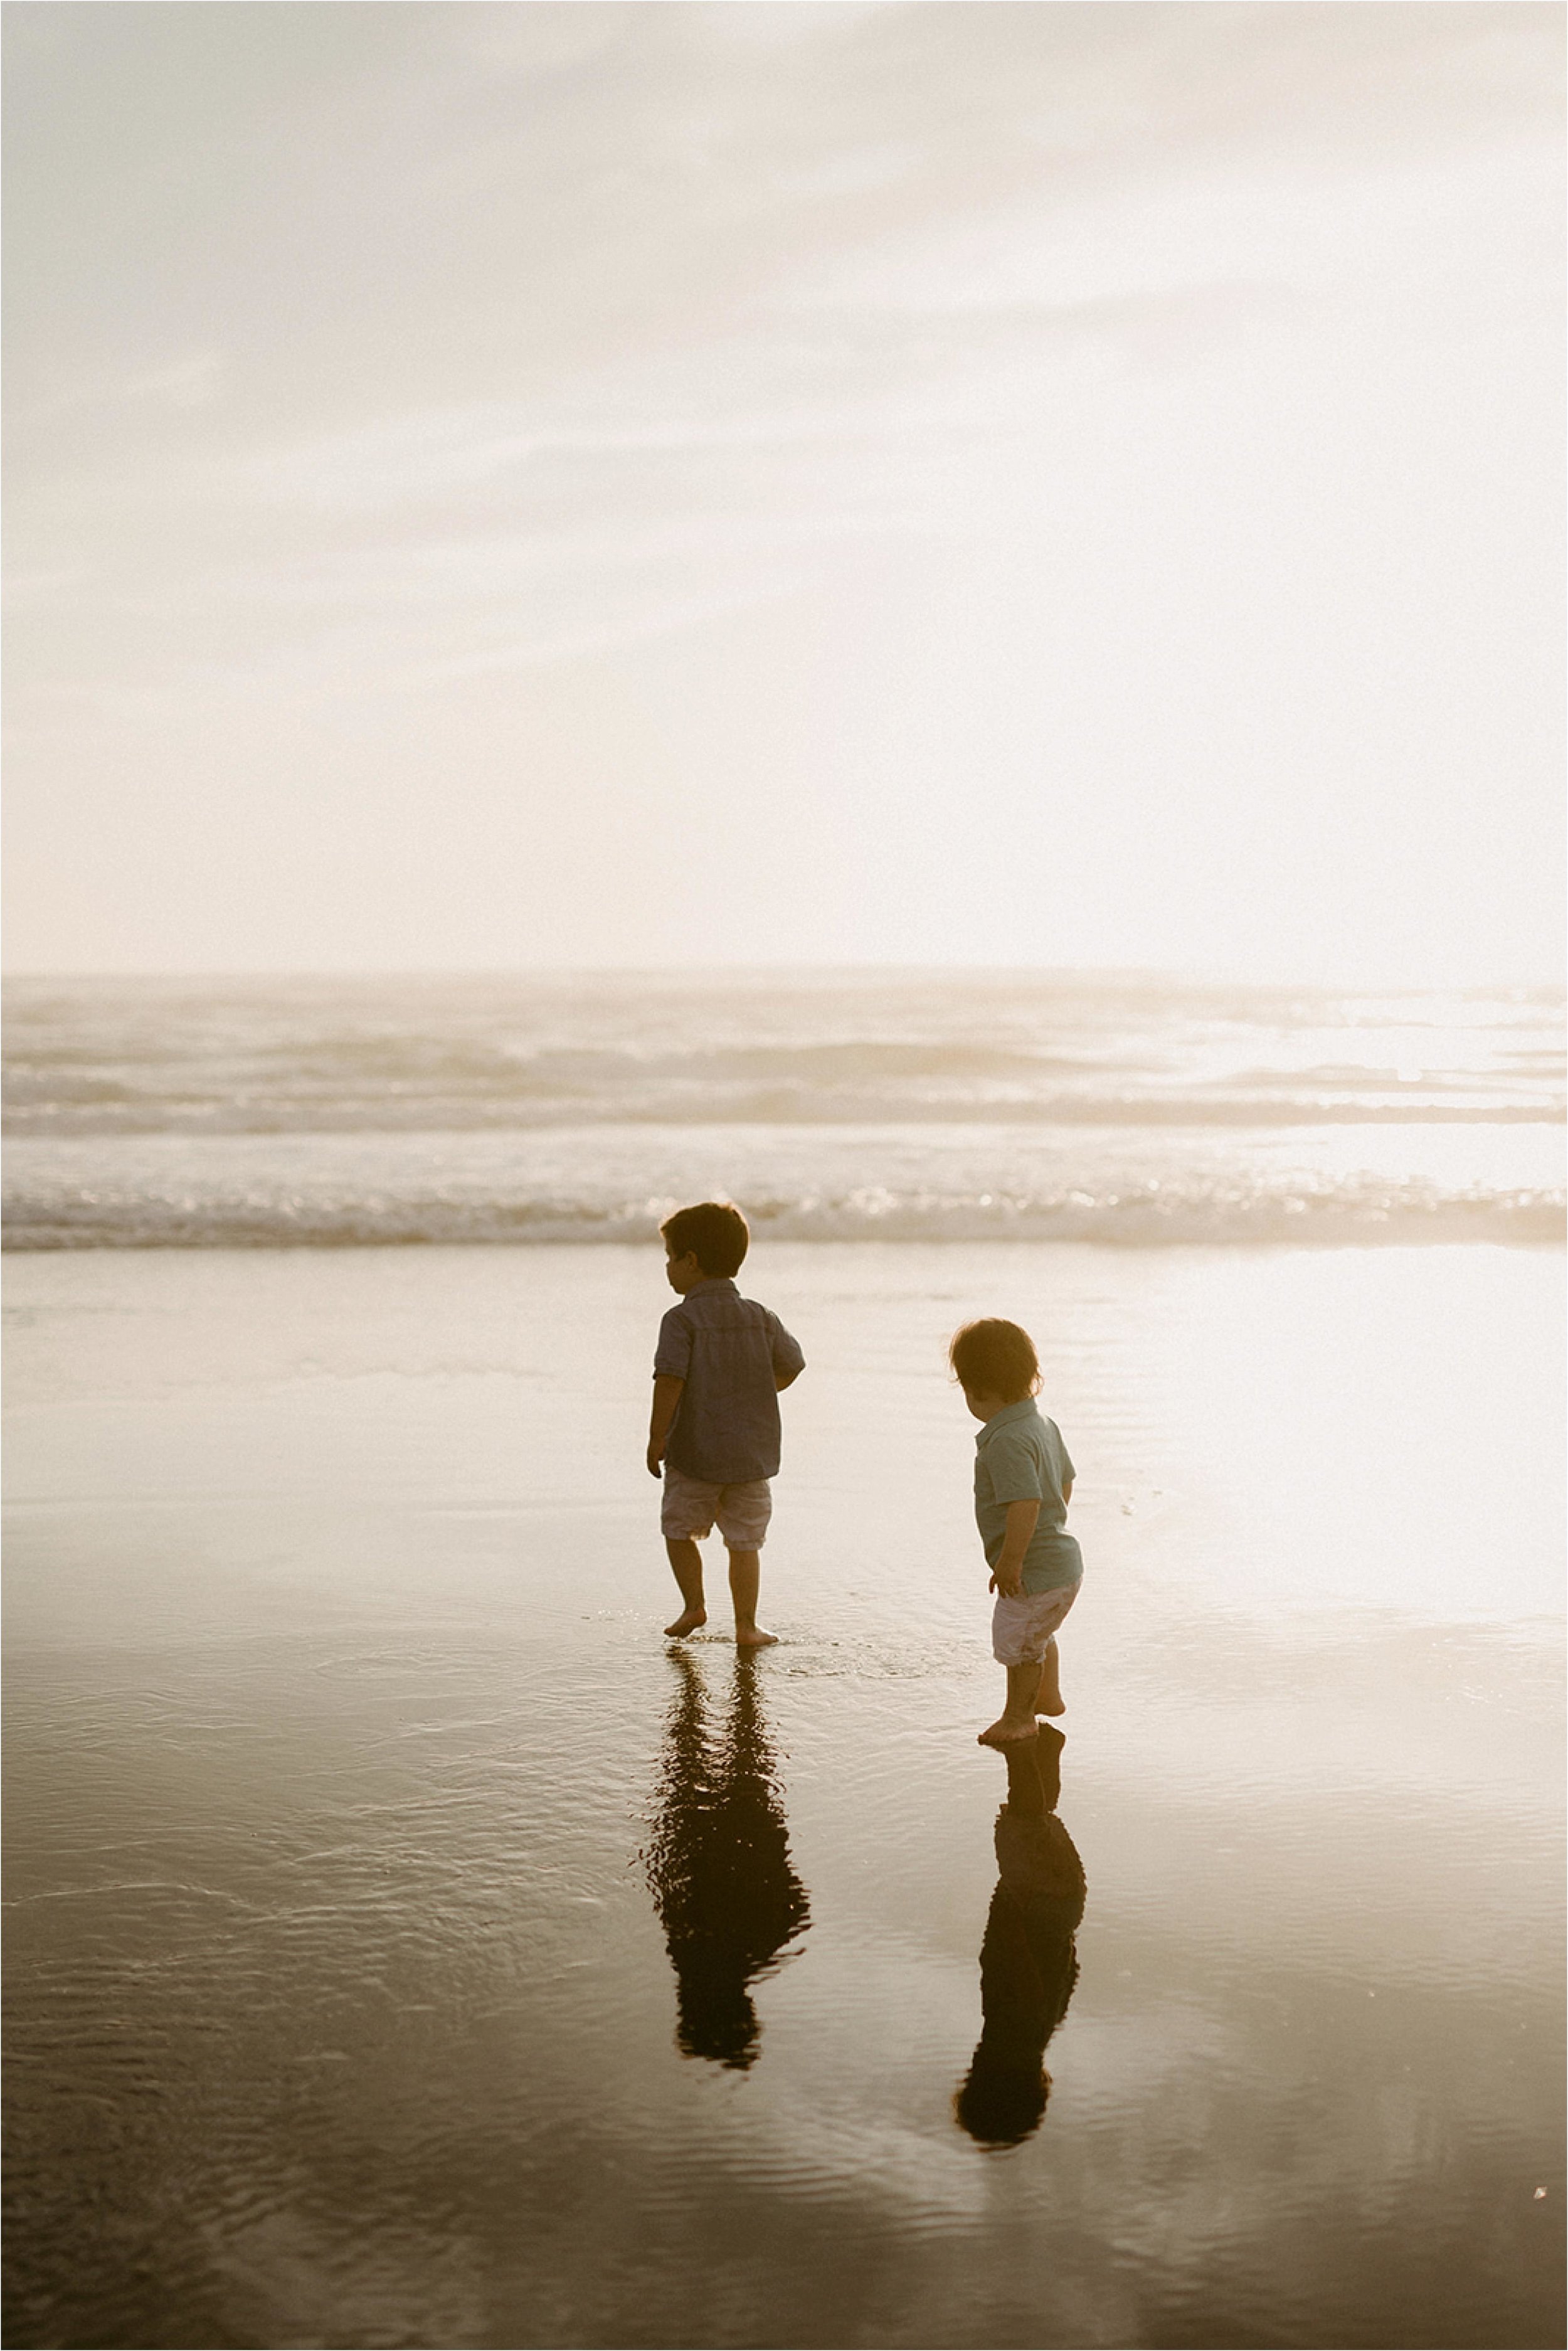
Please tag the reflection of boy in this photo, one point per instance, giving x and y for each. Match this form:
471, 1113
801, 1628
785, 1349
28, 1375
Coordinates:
719, 1365
1023, 1483
718, 1864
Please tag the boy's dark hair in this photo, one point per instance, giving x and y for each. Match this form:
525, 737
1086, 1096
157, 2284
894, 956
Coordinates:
993, 1358
713, 1232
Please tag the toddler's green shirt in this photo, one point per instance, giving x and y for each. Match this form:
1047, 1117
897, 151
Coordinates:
1019, 1458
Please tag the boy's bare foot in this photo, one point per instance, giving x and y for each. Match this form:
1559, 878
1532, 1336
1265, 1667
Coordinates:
752, 1636
1060, 1707
1003, 1732
686, 1622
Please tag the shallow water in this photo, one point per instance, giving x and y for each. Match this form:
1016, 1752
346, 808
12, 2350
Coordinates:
406, 1947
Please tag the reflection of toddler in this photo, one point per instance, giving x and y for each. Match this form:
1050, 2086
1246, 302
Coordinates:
1029, 1962
1023, 1483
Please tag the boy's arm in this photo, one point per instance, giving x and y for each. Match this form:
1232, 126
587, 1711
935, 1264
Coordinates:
789, 1362
1007, 1576
666, 1397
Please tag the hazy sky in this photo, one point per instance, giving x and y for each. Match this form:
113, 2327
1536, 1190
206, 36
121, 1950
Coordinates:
1031, 484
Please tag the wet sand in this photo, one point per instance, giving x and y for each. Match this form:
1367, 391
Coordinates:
406, 1946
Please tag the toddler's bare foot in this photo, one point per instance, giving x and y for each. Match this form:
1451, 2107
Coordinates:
686, 1622
1004, 1731
752, 1636
1047, 1706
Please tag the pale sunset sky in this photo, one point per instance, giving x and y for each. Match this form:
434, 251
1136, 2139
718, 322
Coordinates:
639, 485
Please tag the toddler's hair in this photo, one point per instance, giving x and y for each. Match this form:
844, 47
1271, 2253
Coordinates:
993, 1358
713, 1232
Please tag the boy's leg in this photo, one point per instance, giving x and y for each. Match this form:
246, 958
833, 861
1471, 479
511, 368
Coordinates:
1047, 1698
688, 1563
744, 1578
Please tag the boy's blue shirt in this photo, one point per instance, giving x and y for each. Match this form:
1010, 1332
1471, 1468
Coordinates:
1019, 1458
731, 1353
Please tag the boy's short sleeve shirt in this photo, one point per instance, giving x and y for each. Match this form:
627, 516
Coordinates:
731, 1353
672, 1355
1019, 1456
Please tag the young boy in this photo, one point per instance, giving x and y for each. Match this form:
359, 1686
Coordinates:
718, 1368
1023, 1483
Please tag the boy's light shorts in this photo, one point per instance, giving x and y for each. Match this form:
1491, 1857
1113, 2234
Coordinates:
1021, 1627
691, 1505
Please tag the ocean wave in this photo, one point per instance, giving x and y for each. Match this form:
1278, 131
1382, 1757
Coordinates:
298, 1057
602, 1182
108, 1113
1153, 1214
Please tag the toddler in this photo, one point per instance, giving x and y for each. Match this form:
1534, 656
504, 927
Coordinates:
1023, 1482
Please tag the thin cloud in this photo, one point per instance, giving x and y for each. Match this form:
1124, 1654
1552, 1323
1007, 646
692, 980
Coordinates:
1133, 407
187, 383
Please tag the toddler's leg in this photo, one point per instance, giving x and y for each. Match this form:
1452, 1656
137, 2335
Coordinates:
1047, 1698
744, 1578
688, 1563
1016, 1719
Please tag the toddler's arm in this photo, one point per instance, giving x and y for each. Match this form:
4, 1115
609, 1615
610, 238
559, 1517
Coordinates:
666, 1397
1007, 1576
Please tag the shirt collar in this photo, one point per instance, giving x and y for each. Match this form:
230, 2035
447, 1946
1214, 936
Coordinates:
1008, 1413
711, 1282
